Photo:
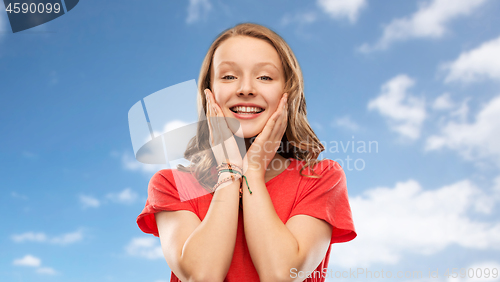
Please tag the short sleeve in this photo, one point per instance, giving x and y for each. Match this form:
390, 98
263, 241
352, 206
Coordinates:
162, 196
326, 198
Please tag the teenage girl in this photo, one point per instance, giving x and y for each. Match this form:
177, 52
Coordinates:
269, 211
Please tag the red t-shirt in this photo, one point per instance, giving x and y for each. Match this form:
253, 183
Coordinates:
292, 194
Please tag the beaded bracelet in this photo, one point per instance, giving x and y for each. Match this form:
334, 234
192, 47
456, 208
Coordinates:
239, 173
227, 179
237, 170
229, 165
232, 177
221, 171
230, 171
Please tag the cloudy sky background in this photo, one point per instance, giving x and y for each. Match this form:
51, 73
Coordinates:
418, 79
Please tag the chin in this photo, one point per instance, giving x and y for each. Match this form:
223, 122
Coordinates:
246, 136
243, 131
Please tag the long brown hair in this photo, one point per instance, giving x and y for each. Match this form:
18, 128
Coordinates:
299, 141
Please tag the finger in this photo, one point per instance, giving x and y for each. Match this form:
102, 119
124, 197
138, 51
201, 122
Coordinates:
280, 118
285, 115
215, 110
280, 127
229, 145
211, 112
209, 100
270, 126
285, 122
230, 125
222, 123
212, 119
208, 96
209, 122
215, 107
220, 128
277, 131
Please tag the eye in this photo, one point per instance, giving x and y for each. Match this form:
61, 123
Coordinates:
228, 77
266, 77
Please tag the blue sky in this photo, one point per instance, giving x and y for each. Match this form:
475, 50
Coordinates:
418, 78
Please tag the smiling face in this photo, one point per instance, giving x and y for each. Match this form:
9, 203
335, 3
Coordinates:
247, 81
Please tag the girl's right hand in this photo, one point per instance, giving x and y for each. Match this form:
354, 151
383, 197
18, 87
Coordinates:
222, 141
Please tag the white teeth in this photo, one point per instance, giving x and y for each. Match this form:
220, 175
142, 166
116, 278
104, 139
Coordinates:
240, 109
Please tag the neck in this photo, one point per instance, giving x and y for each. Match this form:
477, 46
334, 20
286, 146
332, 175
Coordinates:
248, 143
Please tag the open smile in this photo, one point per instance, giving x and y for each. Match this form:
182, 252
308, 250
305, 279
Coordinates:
246, 112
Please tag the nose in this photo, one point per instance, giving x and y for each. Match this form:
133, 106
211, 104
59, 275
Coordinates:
246, 87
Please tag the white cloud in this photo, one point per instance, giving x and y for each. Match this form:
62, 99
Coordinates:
346, 122
462, 111
496, 188
89, 202
28, 260
430, 21
29, 236
474, 141
197, 9
145, 247
46, 270
127, 196
32, 261
64, 239
404, 112
342, 9
393, 222
68, 238
443, 102
480, 63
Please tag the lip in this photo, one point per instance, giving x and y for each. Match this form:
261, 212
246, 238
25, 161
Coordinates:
247, 105
246, 116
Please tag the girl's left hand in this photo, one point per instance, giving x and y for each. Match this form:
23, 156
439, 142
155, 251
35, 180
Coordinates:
264, 147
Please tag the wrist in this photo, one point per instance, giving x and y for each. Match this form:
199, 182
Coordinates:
255, 174
225, 175
226, 179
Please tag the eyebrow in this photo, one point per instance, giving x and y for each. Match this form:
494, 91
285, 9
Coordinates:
257, 65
